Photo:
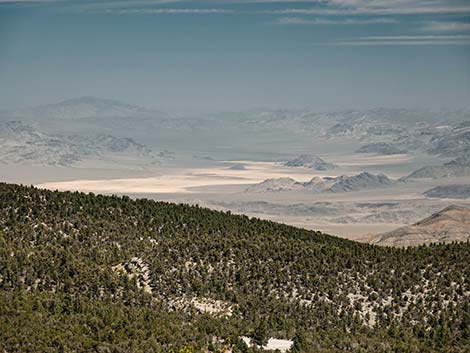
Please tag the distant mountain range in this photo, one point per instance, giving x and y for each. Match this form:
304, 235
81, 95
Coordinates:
383, 131
343, 183
380, 131
386, 131
450, 224
22, 144
84, 107
452, 141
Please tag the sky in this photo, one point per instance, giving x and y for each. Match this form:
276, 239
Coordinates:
235, 55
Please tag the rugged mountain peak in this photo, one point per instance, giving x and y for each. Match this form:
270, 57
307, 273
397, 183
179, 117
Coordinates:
343, 183
310, 161
276, 184
380, 148
364, 180
448, 225
459, 167
449, 191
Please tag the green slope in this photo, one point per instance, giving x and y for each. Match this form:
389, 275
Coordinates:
84, 273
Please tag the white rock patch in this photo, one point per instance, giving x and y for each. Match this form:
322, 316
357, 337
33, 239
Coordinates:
273, 344
136, 268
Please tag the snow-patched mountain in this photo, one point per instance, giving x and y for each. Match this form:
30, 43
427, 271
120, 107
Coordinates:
364, 126
380, 148
449, 192
310, 161
276, 184
320, 184
84, 107
459, 167
363, 181
445, 133
22, 144
452, 142
343, 183
383, 121
450, 224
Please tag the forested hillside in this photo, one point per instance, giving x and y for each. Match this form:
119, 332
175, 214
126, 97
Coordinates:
91, 273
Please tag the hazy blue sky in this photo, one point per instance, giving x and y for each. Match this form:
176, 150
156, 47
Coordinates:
217, 55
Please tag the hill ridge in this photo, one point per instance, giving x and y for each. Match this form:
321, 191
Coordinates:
189, 276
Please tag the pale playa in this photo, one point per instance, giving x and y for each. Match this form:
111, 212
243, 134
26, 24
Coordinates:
183, 180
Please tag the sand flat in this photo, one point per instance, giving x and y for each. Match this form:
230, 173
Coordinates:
182, 180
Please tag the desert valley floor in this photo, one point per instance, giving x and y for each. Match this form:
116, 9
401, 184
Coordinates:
225, 185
